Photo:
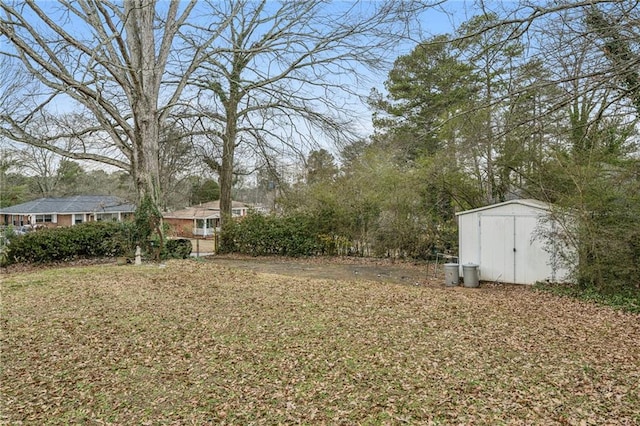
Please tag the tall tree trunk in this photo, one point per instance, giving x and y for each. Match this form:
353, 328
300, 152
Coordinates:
227, 164
145, 76
226, 176
229, 138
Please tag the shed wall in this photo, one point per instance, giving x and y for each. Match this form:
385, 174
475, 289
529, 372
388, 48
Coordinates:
502, 240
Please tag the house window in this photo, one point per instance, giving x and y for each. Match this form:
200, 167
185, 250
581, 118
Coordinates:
44, 218
210, 223
79, 218
106, 217
236, 212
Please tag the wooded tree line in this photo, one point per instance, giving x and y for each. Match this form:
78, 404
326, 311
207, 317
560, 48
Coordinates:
485, 115
106, 81
528, 100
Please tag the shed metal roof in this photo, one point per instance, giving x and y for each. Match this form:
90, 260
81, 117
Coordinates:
525, 202
68, 205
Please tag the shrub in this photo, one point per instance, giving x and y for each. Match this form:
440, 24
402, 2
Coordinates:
87, 240
260, 235
177, 249
228, 239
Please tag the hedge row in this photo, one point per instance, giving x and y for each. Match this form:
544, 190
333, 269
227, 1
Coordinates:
87, 240
260, 235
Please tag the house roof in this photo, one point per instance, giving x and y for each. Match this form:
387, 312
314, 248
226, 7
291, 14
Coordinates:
68, 205
215, 205
529, 202
210, 210
196, 212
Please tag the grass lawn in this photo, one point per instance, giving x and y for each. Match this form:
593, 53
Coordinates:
196, 343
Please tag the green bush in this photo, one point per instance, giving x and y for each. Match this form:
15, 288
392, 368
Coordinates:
87, 240
228, 238
260, 235
177, 249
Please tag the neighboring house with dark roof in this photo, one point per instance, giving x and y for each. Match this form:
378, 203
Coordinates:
67, 211
202, 220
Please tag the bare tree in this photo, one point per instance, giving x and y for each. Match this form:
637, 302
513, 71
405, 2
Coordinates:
604, 33
284, 76
103, 84
42, 165
265, 76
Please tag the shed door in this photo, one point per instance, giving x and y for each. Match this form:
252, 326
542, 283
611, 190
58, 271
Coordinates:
497, 248
531, 259
509, 252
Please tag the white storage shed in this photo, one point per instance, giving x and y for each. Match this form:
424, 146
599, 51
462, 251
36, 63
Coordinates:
503, 240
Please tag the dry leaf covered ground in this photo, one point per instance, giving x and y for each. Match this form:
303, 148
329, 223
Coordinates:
200, 343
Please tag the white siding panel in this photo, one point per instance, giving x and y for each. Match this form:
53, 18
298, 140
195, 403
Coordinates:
468, 239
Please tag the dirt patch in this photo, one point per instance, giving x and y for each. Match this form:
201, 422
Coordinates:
334, 268
338, 268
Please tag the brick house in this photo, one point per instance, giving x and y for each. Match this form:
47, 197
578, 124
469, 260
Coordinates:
202, 220
67, 211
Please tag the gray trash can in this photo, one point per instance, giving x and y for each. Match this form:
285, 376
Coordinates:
471, 275
451, 274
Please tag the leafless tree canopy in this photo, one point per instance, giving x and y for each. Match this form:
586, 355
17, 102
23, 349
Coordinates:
601, 38
100, 90
283, 76
103, 79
